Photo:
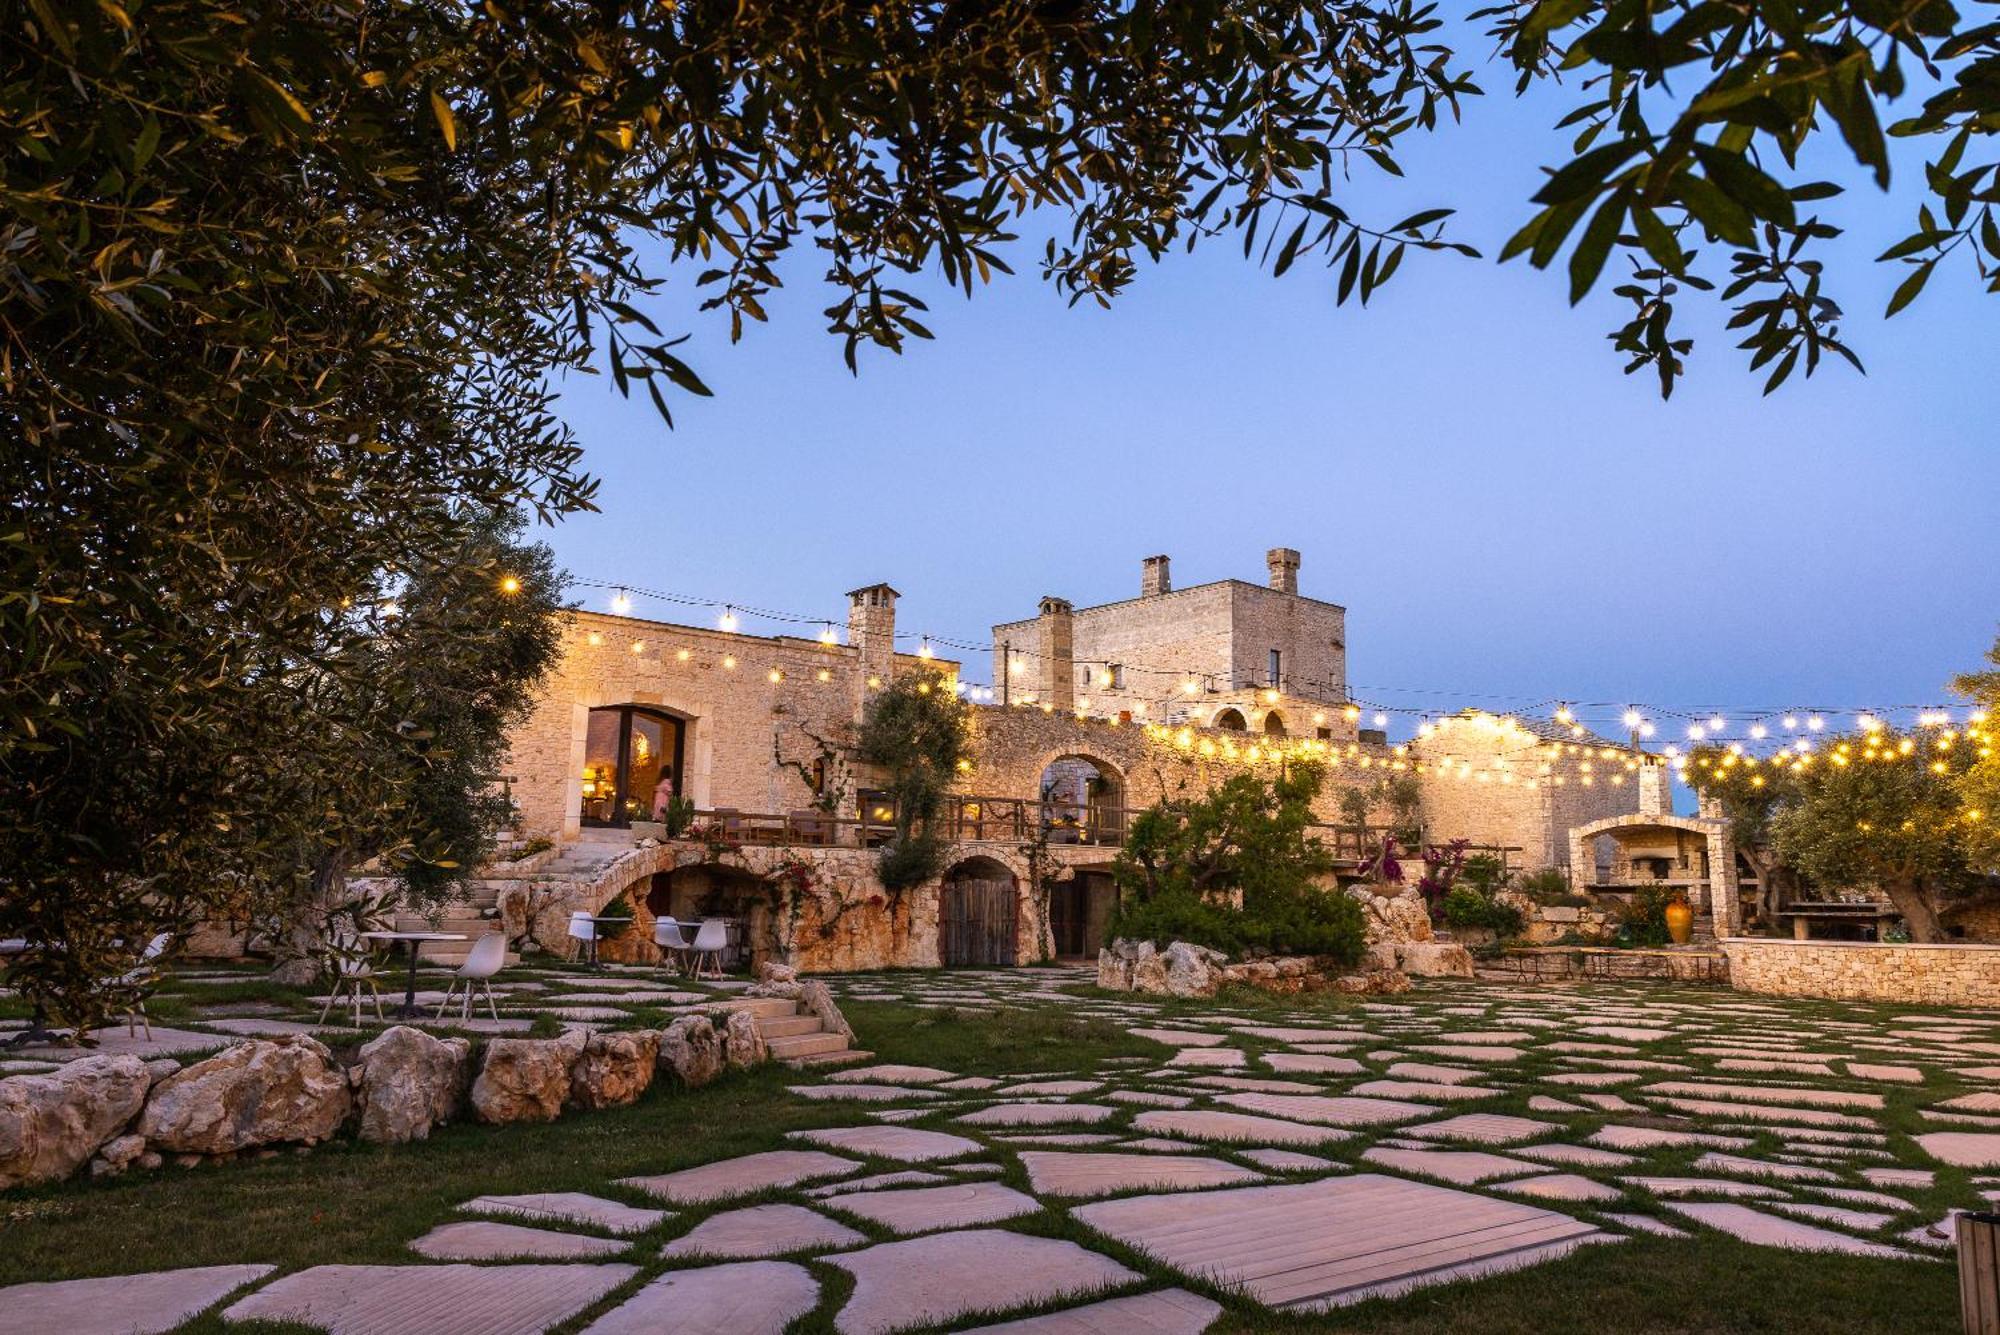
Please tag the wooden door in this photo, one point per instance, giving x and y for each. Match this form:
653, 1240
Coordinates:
976, 922
1066, 916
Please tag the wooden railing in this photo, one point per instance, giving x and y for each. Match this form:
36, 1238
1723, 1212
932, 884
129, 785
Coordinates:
1020, 820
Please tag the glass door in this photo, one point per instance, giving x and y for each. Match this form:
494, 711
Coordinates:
632, 760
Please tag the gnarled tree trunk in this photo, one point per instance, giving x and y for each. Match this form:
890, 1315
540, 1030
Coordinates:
1919, 913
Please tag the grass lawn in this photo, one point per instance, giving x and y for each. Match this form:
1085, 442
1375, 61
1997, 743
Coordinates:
351, 1203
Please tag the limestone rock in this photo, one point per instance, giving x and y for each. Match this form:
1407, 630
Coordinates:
266, 1091
51, 1124
118, 1154
525, 1079
817, 999
1435, 959
776, 980
692, 1050
160, 1068
1149, 974
1114, 971
1191, 969
742, 1044
1373, 982
614, 1069
408, 1082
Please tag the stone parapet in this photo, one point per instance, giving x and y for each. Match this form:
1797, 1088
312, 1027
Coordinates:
1948, 974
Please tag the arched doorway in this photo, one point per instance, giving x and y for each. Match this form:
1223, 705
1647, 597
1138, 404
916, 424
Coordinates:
1231, 720
1274, 724
1083, 802
633, 761
746, 903
977, 914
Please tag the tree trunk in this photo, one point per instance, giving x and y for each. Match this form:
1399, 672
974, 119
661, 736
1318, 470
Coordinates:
301, 944
1919, 914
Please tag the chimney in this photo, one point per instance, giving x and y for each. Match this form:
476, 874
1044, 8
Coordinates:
1284, 564
1057, 684
871, 629
1654, 797
1154, 578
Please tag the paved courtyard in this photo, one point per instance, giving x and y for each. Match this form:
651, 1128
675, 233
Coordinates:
1282, 1158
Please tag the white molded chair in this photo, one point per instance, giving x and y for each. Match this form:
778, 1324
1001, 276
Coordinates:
673, 943
352, 971
582, 929
710, 939
486, 958
136, 980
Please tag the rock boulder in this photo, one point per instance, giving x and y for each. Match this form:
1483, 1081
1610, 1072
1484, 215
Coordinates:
1191, 970
613, 1069
742, 1044
1434, 959
525, 1079
267, 1091
51, 1124
408, 1082
816, 999
692, 1050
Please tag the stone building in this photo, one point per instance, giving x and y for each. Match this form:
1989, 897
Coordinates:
757, 734
1227, 654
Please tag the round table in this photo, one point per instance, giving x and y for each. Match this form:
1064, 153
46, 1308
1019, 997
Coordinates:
408, 1010
596, 922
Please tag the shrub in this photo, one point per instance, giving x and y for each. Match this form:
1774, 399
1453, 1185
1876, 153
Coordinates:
1316, 922
1466, 906
1550, 885
1642, 918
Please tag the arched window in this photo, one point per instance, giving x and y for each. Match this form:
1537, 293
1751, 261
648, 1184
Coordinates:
1274, 724
1231, 720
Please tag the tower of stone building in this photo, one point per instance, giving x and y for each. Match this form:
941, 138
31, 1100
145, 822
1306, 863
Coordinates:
1284, 566
871, 629
1056, 667
1155, 577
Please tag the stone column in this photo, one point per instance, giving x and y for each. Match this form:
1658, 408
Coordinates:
871, 629
1154, 577
1056, 681
1722, 900
1655, 794
1284, 567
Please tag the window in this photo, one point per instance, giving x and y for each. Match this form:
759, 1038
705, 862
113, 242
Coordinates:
1277, 667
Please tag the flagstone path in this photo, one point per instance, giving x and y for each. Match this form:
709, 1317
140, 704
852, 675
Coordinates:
1298, 1160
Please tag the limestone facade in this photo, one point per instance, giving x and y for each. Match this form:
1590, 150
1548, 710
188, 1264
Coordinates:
1931, 975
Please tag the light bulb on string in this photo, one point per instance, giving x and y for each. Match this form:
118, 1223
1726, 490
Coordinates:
621, 604
1633, 718
826, 635
1716, 723
728, 619
1791, 722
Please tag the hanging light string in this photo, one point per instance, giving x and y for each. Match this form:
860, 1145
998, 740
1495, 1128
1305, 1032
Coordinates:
1673, 729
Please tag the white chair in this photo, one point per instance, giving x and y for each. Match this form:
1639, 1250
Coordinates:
710, 939
673, 943
352, 971
134, 982
486, 958
582, 928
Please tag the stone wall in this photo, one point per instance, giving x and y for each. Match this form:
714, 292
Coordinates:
1934, 975
1491, 783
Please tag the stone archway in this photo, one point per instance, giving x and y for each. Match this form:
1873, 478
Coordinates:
1274, 724
1082, 800
1230, 719
1716, 888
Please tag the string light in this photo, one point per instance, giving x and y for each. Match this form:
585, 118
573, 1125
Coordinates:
728, 619
510, 584
621, 603
827, 636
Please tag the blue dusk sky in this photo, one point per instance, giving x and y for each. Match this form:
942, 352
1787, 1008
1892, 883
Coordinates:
1506, 516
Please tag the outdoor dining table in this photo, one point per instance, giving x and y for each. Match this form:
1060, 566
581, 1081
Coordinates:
38, 1030
416, 940
600, 922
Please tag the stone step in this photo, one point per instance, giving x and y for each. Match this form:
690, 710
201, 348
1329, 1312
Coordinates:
844, 1057
760, 1007
805, 1045
787, 1026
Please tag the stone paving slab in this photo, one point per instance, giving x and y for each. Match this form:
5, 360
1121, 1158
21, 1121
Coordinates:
1562, 1187
934, 1279
1037, 1114
1702, 1186
1738, 1165
1204, 1124
926, 1209
1767, 1230
431, 1299
902, 1143
147, 1304
1163, 1312
741, 1176
1320, 1245
891, 1074
1424, 1089
761, 1231
862, 1093
1290, 1161
485, 1240
743, 1298
570, 1207
1071, 1174
1962, 1149
1485, 1128
1309, 1063
1464, 1167
1334, 1111
1181, 1038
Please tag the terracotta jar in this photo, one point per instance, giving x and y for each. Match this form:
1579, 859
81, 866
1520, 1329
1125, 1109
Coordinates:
1680, 922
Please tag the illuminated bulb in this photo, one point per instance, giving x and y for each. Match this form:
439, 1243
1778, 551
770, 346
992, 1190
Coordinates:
924, 649
1791, 720
1563, 715
776, 676
391, 610
1815, 723
1270, 697
1351, 713
874, 683
683, 655
728, 619
827, 636
824, 675
1381, 720
1671, 750
1716, 723
1189, 688
1645, 730
1104, 680
1867, 722
638, 646
1696, 732
1632, 719
1759, 730
729, 662
621, 603
510, 585
595, 639
1319, 718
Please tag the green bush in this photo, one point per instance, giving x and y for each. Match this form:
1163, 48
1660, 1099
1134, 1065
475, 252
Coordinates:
1313, 922
1469, 907
1549, 886
1642, 918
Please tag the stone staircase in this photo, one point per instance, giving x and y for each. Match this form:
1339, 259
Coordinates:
795, 1036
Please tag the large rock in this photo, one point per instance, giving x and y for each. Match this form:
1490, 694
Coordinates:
742, 1041
267, 1091
817, 1000
1373, 982
1435, 959
1191, 969
118, 1154
614, 1069
692, 1050
1149, 974
51, 1124
525, 1079
776, 980
1396, 918
408, 1082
